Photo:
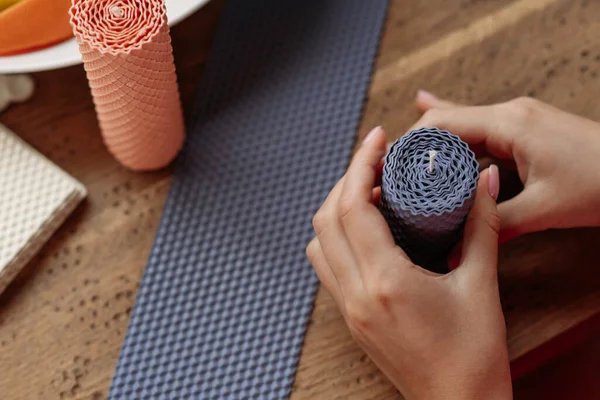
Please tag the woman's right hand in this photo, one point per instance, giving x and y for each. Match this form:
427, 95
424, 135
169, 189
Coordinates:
557, 156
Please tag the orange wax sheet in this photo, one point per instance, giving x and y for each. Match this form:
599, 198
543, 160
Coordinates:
34, 24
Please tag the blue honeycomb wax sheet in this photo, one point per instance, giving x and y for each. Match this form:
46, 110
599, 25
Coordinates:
225, 298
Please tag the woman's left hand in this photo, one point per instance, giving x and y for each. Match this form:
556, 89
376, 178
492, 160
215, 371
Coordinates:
434, 336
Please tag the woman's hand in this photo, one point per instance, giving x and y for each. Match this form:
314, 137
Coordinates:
434, 336
557, 155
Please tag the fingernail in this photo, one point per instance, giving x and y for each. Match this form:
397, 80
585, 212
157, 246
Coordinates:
426, 96
493, 181
371, 134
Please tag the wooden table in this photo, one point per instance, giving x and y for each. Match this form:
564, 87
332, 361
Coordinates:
63, 320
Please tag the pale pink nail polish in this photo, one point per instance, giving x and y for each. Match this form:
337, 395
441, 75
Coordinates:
426, 96
371, 134
493, 181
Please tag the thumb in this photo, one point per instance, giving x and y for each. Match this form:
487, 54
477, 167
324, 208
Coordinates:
426, 100
522, 214
480, 239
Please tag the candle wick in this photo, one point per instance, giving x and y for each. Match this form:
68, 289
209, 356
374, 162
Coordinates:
116, 11
432, 154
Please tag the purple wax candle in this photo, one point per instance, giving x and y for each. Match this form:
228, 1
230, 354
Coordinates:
428, 187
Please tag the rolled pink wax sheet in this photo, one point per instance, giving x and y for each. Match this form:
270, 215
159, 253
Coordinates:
126, 50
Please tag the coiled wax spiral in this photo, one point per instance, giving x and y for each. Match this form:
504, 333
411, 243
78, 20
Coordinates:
428, 187
126, 50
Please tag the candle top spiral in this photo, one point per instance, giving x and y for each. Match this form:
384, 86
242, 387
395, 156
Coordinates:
429, 172
117, 26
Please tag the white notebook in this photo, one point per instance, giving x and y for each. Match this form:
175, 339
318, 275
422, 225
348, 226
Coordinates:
36, 197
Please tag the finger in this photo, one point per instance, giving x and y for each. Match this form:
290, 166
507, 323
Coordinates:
426, 100
524, 213
486, 161
333, 240
368, 234
518, 216
366, 165
326, 276
482, 127
480, 240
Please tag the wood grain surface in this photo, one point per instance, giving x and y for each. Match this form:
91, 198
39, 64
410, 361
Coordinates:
62, 322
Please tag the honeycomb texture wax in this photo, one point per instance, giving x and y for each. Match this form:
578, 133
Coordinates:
226, 295
428, 187
126, 50
35, 198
